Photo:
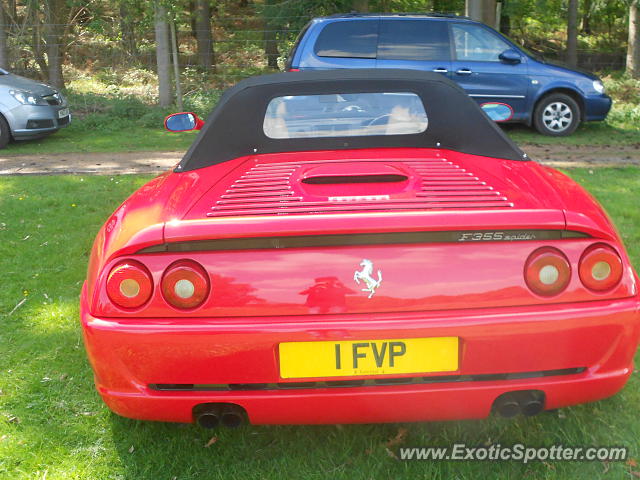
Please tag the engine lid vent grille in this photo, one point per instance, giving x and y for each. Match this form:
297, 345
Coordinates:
274, 189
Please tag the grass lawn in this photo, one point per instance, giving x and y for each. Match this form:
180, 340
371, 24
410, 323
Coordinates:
591, 133
132, 138
77, 139
53, 424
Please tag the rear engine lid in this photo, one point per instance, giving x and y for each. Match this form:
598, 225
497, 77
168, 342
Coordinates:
320, 186
381, 180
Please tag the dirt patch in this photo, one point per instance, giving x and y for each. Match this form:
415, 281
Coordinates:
157, 162
584, 155
89, 163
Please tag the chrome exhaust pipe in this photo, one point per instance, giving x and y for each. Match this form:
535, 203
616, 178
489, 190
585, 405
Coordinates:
527, 402
208, 420
507, 406
232, 416
532, 407
211, 415
208, 417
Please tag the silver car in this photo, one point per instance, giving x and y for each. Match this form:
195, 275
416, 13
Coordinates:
29, 109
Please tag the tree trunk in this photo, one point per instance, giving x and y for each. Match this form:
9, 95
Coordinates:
586, 17
473, 9
13, 9
489, 13
572, 33
204, 38
271, 46
128, 33
481, 11
162, 55
37, 43
271, 40
505, 24
633, 49
53, 36
192, 18
361, 6
176, 66
4, 26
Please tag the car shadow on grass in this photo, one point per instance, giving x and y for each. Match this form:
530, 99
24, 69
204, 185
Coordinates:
148, 449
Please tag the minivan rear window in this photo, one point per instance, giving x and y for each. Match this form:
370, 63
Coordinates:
345, 115
289, 63
413, 40
350, 39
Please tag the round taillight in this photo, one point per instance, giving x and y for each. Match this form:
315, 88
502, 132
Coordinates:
129, 284
185, 284
547, 271
600, 267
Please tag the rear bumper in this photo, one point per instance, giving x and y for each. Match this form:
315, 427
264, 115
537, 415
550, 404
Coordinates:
379, 404
129, 356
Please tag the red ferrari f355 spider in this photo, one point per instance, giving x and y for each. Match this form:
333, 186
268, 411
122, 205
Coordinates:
356, 246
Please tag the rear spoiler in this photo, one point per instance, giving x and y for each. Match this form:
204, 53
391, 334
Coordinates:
230, 233
357, 223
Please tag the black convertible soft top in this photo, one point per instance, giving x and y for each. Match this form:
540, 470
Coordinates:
235, 127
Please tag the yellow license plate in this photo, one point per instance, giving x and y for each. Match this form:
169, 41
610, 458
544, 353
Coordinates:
368, 357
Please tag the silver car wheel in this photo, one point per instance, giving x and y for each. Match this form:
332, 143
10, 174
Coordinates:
557, 116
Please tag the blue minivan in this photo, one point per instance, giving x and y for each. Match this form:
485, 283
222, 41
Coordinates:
491, 68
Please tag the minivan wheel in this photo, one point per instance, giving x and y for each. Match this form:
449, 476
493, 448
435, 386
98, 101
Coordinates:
5, 132
556, 115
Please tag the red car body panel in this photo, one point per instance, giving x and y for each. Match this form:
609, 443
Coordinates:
262, 297
130, 355
451, 235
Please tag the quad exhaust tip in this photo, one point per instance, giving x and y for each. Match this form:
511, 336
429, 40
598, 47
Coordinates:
525, 402
208, 419
507, 405
211, 415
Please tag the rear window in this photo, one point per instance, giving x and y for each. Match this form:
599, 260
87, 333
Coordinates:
413, 40
288, 65
345, 115
351, 39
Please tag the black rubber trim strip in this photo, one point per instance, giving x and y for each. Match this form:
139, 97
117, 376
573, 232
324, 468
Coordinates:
369, 382
348, 179
392, 238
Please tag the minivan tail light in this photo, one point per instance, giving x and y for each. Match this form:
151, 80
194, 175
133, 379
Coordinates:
600, 267
185, 284
547, 271
129, 284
